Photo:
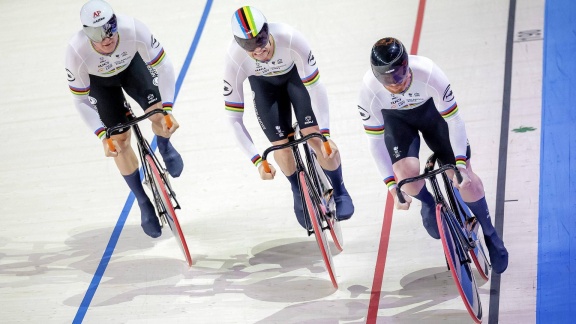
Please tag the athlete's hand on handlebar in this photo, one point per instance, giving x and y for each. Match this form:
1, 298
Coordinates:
111, 151
465, 179
332, 146
165, 127
397, 203
265, 175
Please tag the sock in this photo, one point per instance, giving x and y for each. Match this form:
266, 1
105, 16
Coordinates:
172, 159
426, 197
164, 145
344, 204
335, 177
135, 184
298, 207
480, 210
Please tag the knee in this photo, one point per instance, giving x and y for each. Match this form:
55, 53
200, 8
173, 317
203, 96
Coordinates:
123, 140
406, 168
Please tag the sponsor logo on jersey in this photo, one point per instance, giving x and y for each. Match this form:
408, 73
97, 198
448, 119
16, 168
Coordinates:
154, 43
256, 111
396, 152
311, 59
93, 101
70, 76
448, 95
363, 113
155, 81
227, 89
151, 98
279, 131
308, 120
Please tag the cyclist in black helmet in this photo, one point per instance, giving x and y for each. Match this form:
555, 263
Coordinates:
403, 95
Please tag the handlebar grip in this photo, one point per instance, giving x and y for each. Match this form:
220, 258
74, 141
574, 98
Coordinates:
266, 166
327, 147
168, 120
458, 176
111, 145
400, 196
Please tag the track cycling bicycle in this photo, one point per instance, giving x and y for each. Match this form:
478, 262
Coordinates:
458, 229
316, 194
155, 177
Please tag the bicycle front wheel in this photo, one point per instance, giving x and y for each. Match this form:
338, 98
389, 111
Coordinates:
162, 197
329, 203
461, 270
316, 222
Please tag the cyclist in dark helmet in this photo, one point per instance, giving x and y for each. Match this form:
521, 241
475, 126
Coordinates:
282, 72
402, 96
100, 68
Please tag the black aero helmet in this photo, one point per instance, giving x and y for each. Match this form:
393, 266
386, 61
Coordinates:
389, 61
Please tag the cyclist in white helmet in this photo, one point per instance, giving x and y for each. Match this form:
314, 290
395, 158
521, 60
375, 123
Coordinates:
401, 96
115, 53
282, 72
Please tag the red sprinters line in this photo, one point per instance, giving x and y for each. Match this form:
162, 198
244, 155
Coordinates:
418, 27
380, 261
387, 223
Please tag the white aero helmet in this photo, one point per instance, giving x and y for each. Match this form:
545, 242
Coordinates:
250, 28
98, 20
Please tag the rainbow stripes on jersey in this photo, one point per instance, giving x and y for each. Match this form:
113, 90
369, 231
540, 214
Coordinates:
246, 20
256, 159
100, 132
79, 91
312, 78
461, 160
453, 110
234, 106
374, 130
158, 59
167, 106
390, 182
325, 132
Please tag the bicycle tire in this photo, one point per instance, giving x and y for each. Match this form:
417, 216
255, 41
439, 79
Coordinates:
461, 271
327, 197
313, 211
162, 196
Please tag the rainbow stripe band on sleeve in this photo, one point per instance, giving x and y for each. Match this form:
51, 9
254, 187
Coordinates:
374, 130
158, 59
100, 132
325, 132
450, 111
312, 78
167, 107
256, 159
461, 160
390, 182
80, 91
234, 106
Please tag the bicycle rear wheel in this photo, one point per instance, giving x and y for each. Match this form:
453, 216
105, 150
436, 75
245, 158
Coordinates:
162, 197
316, 222
461, 270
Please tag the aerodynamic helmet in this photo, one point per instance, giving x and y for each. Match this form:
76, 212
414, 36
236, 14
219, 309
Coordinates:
389, 61
98, 20
250, 28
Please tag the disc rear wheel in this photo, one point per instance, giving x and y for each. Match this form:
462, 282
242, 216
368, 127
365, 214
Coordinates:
162, 196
